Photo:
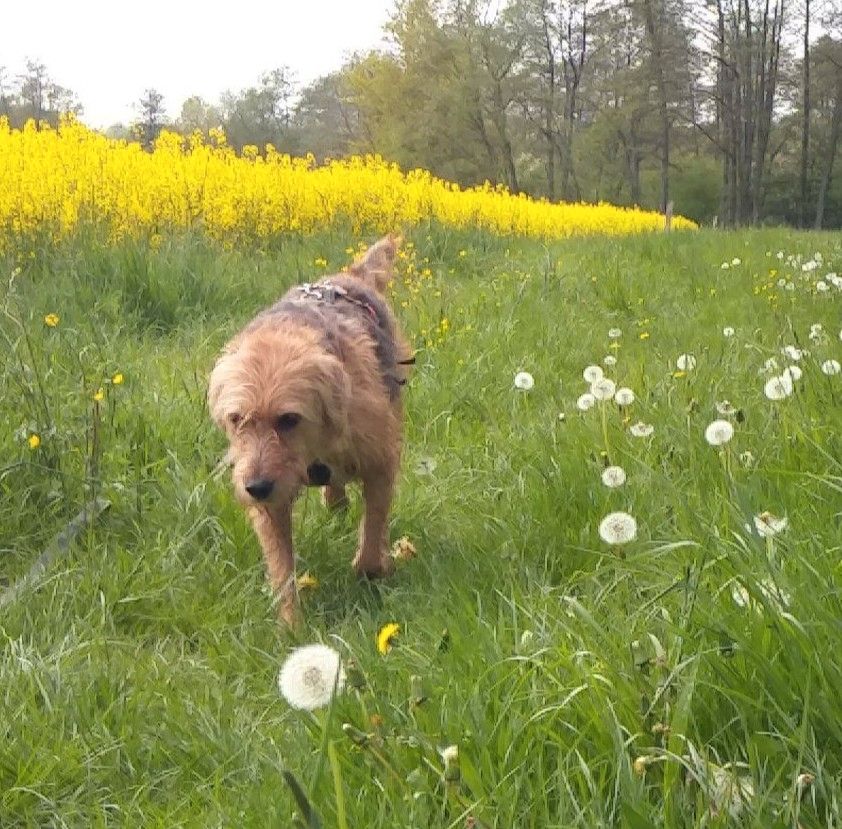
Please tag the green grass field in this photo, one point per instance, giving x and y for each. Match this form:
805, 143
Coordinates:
686, 679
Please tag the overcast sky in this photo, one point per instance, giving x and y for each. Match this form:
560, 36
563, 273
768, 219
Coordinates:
108, 52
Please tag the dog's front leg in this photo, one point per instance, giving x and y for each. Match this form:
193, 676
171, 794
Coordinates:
372, 558
273, 526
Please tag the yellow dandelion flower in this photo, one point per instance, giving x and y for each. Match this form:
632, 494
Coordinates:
644, 335
306, 581
34, 441
52, 320
385, 636
679, 374
117, 379
99, 395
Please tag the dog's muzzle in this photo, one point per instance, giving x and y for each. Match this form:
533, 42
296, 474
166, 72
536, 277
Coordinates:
318, 474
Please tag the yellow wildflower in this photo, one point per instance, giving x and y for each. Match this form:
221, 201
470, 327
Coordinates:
52, 320
306, 581
679, 374
644, 335
99, 395
117, 379
386, 635
34, 441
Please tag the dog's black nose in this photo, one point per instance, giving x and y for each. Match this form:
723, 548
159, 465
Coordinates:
260, 488
318, 474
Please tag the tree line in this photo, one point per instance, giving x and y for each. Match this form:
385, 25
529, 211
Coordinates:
730, 110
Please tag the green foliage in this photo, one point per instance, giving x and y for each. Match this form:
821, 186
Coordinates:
138, 676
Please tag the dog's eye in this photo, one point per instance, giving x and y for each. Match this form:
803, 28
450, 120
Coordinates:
235, 419
287, 421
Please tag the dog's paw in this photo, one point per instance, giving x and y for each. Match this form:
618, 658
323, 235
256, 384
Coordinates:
370, 566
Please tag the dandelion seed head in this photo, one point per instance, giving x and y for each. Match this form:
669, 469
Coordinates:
613, 476
719, 432
778, 388
728, 331
524, 381
614, 333
831, 367
592, 374
618, 528
585, 402
307, 677
609, 360
603, 389
685, 362
768, 525
641, 429
624, 396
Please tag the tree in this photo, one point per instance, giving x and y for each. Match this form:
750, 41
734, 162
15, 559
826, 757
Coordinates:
152, 117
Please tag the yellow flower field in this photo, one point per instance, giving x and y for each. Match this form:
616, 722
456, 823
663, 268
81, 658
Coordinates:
55, 180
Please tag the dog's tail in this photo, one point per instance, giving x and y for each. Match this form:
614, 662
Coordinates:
376, 266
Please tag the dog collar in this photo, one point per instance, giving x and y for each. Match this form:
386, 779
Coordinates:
328, 292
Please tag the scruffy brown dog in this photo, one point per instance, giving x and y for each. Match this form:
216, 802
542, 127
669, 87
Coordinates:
309, 395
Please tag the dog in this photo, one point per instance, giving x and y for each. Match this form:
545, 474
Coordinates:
309, 394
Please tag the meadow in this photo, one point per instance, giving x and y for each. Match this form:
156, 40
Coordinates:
689, 677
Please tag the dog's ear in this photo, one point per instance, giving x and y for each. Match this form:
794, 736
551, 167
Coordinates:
376, 266
216, 390
334, 393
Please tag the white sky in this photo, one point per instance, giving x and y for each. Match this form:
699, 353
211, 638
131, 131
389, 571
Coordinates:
108, 51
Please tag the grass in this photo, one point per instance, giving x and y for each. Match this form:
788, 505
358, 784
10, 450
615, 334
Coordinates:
583, 688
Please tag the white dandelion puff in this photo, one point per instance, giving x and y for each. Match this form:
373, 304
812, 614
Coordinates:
730, 792
728, 331
768, 525
603, 389
592, 374
685, 362
524, 381
585, 402
309, 675
794, 373
609, 360
613, 476
724, 266
719, 432
736, 261
777, 388
618, 528
614, 333
822, 286
624, 396
792, 352
831, 367
725, 408
770, 365
641, 429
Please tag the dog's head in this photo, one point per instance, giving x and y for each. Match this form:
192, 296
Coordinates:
283, 401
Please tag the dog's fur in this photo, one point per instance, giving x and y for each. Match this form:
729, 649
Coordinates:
311, 388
